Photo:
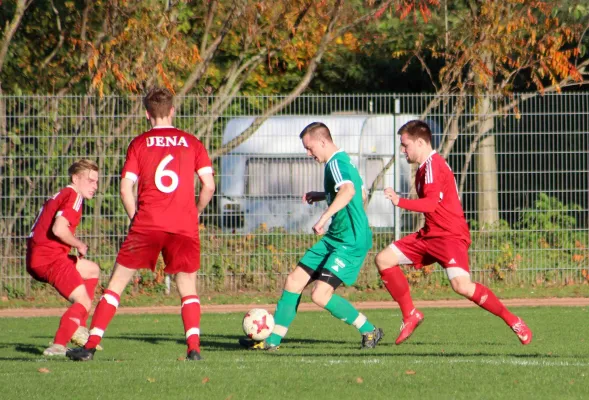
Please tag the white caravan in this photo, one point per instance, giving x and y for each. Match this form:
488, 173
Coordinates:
262, 181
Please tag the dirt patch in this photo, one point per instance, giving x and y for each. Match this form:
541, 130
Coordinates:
226, 308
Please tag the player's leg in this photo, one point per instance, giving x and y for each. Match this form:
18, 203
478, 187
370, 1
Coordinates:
387, 262
186, 283
452, 255
69, 283
323, 295
286, 308
90, 273
486, 299
182, 258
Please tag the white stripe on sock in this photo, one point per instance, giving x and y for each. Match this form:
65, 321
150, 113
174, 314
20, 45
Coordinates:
280, 330
110, 299
360, 320
97, 332
192, 331
189, 301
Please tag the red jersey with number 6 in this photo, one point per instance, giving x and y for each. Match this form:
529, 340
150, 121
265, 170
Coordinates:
163, 161
438, 200
42, 244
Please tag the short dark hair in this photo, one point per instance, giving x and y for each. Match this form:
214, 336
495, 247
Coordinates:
82, 165
317, 129
158, 102
417, 129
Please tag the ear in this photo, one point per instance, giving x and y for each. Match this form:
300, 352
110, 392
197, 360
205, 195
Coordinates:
172, 112
75, 179
147, 115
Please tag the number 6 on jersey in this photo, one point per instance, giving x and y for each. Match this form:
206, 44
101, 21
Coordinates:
161, 172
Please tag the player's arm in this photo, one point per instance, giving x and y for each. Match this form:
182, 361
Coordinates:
343, 197
426, 204
61, 229
207, 188
313, 197
128, 197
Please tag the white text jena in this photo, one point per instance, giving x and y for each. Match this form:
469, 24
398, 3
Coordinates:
166, 141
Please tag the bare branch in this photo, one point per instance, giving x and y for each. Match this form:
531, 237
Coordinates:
61, 38
11, 28
303, 84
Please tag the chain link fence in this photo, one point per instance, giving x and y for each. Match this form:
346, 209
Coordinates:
522, 172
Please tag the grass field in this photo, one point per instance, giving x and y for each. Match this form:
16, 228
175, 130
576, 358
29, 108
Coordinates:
455, 354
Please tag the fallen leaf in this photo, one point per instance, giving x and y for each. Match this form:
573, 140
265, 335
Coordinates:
572, 381
409, 372
359, 380
229, 397
151, 380
205, 380
43, 370
181, 358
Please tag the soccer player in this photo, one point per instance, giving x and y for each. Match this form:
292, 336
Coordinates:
339, 255
445, 237
162, 162
48, 259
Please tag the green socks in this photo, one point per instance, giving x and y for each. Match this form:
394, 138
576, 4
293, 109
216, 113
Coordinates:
286, 310
342, 309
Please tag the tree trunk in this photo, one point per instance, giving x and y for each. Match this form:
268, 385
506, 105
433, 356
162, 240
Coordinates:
486, 167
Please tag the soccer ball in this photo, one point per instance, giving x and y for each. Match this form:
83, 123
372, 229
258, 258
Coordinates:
258, 324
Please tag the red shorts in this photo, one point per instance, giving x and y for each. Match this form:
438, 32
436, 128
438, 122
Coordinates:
141, 249
61, 273
447, 251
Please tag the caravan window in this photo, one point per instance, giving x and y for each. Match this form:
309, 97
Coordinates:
373, 168
282, 176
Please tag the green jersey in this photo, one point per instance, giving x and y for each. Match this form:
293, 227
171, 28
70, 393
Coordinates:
349, 225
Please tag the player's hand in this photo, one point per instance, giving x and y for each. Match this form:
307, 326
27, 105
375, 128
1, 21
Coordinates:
390, 194
318, 228
312, 197
82, 249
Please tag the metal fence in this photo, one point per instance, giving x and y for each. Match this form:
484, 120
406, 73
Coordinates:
526, 201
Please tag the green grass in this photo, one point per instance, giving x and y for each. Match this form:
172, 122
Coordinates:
455, 354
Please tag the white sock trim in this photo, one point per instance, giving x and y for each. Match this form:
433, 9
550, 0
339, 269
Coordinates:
192, 331
360, 320
190, 301
97, 332
110, 299
280, 330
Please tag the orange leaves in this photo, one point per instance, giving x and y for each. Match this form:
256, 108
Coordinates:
405, 7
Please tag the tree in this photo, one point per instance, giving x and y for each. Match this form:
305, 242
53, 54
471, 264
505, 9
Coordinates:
488, 49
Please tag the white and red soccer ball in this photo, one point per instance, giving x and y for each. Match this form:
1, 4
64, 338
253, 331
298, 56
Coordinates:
258, 324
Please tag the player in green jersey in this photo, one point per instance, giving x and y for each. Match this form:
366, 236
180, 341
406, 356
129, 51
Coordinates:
339, 255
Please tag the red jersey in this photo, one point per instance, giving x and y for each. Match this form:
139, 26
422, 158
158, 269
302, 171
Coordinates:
42, 245
438, 200
163, 161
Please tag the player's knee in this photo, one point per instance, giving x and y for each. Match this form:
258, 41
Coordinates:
460, 287
321, 297
384, 260
85, 301
94, 271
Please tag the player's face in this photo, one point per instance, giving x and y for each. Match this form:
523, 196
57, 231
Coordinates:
410, 148
315, 147
86, 182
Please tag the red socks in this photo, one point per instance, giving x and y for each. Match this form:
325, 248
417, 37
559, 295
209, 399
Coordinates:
71, 319
397, 285
191, 320
485, 298
105, 310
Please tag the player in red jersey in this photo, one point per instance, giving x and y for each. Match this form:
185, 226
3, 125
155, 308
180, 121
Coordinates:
48, 259
445, 237
164, 218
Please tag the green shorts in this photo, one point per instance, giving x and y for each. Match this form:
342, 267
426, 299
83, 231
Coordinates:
343, 261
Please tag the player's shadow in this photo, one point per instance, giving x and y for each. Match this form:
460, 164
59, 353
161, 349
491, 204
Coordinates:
22, 348
150, 338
